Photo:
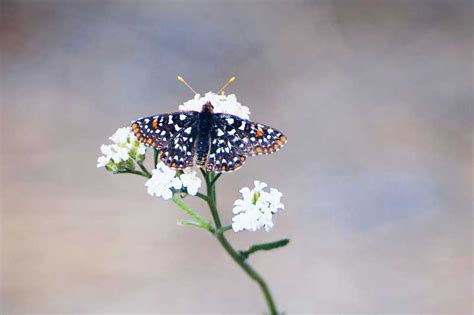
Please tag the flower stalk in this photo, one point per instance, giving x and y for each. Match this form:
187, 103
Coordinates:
247, 268
218, 231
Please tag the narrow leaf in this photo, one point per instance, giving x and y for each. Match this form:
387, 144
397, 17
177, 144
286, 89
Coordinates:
264, 246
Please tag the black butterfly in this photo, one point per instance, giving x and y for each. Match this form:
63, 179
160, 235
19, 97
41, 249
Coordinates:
219, 142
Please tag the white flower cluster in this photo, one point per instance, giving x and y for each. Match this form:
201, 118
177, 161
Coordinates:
226, 104
121, 153
256, 208
165, 179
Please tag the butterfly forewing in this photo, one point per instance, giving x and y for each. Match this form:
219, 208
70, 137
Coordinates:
250, 137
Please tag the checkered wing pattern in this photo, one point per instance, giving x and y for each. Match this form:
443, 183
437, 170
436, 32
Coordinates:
234, 138
172, 134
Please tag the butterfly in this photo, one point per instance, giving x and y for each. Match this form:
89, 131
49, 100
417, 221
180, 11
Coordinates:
215, 141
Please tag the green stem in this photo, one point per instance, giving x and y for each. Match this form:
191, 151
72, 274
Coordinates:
155, 157
202, 196
211, 194
218, 231
180, 203
143, 168
134, 172
215, 179
224, 228
250, 272
211, 200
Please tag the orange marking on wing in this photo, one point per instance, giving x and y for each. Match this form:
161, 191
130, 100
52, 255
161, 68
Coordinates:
259, 133
223, 168
258, 149
279, 142
283, 138
155, 123
149, 140
173, 164
134, 125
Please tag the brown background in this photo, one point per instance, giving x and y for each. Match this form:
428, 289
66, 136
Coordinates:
374, 96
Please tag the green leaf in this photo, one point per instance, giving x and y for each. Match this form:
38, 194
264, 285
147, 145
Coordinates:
200, 220
192, 223
264, 246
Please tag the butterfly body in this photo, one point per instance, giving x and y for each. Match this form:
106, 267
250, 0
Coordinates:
205, 121
216, 141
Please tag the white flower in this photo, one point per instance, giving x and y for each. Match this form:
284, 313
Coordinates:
256, 208
124, 147
226, 104
121, 135
141, 149
163, 179
112, 153
190, 181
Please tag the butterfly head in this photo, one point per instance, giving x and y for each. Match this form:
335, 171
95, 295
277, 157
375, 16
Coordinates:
208, 107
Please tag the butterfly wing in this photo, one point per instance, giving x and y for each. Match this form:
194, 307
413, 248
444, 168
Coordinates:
227, 151
234, 138
172, 134
179, 153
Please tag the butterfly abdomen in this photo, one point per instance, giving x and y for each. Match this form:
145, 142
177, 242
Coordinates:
203, 137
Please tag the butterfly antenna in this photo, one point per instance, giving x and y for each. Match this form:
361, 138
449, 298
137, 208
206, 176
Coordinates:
229, 82
180, 79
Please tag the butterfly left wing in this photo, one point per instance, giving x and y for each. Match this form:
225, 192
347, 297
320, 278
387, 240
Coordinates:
179, 153
234, 138
172, 134
157, 131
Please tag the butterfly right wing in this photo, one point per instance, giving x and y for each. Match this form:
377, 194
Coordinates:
234, 138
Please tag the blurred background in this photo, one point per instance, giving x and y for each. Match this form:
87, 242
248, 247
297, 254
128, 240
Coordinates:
374, 96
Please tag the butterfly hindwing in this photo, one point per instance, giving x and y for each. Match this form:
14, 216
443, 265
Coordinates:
179, 153
226, 149
157, 131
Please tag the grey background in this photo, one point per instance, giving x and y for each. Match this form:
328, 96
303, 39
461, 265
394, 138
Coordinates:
374, 96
